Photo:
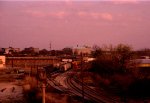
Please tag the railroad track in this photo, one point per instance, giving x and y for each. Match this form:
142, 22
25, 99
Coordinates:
56, 84
78, 92
74, 87
89, 93
100, 94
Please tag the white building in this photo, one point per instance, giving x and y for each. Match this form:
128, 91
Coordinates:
82, 50
10, 50
2, 61
143, 63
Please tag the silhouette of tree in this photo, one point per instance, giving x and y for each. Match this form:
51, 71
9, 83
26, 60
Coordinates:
122, 55
97, 51
67, 51
29, 52
43, 52
114, 61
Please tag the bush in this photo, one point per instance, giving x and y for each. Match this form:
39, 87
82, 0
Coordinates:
139, 89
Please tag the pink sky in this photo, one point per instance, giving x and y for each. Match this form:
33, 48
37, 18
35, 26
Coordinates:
69, 23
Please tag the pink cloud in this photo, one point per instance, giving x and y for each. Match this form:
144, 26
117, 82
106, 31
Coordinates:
68, 2
64, 14
96, 15
82, 14
36, 13
107, 16
124, 1
59, 14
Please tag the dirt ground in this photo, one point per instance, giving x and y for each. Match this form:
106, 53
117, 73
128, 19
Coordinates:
10, 88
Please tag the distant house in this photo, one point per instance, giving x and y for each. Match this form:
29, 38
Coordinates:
10, 50
1, 51
143, 63
144, 57
2, 61
88, 59
143, 66
32, 49
82, 50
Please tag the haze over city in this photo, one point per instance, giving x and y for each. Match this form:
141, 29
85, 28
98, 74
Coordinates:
68, 23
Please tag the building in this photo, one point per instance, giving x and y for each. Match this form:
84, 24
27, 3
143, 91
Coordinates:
144, 57
2, 61
143, 63
82, 50
32, 49
10, 50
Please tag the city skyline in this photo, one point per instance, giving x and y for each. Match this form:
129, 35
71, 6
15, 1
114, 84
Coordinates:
68, 23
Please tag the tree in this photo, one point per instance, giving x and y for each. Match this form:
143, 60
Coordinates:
43, 52
122, 54
103, 65
67, 51
113, 61
30, 51
97, 51
144, 52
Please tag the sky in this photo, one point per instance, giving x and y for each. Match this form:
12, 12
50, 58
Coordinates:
68, 23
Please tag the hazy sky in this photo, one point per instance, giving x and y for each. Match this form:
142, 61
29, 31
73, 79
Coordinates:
69, 23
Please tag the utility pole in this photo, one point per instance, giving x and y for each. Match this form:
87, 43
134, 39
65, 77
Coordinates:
43, 92
12, 63
50, 47
42, 77
82, 78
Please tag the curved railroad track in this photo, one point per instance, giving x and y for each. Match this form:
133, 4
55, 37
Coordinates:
74, 86
89, 93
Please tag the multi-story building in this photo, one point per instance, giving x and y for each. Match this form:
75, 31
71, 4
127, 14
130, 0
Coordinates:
82, 50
